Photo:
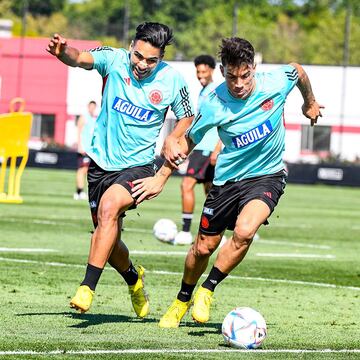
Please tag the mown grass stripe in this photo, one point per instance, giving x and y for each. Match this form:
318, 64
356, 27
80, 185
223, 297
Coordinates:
175, 351
161, 272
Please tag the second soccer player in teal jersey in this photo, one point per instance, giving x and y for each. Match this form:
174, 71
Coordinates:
138, 89
249, 178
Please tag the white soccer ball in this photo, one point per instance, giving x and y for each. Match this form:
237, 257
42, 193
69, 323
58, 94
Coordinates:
244, 328
165, 230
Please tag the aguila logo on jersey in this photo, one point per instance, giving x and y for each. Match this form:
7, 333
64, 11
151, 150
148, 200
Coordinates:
127, 108
155, 97
267, 104
253, 135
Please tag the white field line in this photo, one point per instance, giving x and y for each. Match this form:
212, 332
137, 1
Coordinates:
161, 272
300, 226
283, 255
160, 253
290, 243
176, 351
6, 249
149, 231
177, 253
300, 256
261, 241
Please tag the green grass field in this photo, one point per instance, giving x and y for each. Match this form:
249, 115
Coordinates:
303, 275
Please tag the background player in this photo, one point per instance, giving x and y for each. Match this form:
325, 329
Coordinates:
203, 158
85, 131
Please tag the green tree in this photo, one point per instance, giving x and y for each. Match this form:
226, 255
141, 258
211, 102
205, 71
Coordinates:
37, 7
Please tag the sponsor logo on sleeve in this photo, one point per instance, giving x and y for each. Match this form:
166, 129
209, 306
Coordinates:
253, 135
127, 108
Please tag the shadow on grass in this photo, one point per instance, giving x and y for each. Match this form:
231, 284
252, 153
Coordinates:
98, 319
202, 329
94, 319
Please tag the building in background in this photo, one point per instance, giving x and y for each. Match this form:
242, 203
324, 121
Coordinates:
56, 94
53, 92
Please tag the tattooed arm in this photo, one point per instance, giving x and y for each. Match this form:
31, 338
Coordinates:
310, 108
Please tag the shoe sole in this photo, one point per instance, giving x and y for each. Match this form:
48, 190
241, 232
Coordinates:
198, 321
78, 308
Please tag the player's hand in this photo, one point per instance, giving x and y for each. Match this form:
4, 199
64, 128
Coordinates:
147, 188
56, 45
172, 152
312, 111
213, 157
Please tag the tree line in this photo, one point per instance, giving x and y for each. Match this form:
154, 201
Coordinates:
306, 31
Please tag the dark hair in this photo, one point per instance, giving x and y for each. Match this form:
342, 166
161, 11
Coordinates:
236, 51
92, 102
158, 35
206, 60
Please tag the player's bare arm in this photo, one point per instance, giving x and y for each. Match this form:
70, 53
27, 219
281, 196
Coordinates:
171, 149
311, 108
70, 56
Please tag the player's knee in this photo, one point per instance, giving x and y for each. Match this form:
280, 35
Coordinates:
243, 235
108, 213
186, 186
203, 247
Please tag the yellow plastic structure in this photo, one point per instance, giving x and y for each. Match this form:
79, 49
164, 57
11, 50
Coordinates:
15, 130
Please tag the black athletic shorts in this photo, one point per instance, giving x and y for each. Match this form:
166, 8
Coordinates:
82, 160
100, 180
224, 203
199, 167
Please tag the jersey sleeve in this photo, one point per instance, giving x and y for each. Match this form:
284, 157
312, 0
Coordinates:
103, 59
204, 121
182, 105
287, 78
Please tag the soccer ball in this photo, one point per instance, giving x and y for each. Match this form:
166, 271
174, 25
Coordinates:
244, 328
165, 230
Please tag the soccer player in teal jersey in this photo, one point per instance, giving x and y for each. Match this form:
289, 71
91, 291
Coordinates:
249, 178
203, 158
138, 89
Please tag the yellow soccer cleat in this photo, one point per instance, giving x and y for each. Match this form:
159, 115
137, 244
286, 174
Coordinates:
139, 298
174, 314
202, 302
83, 299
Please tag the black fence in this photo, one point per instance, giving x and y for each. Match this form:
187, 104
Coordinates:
52, 159
331, 174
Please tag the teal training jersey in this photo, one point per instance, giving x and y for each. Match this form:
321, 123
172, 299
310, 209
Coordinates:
251, 130
133, 112
211, 138
87, 131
